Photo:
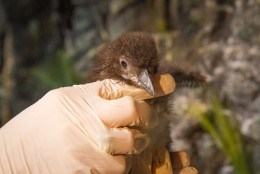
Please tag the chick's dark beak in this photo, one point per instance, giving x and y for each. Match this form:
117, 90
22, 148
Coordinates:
145, 82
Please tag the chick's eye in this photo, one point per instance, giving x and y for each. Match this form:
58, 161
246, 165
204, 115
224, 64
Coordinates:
123, 63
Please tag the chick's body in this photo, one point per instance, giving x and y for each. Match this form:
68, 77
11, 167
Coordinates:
132, 58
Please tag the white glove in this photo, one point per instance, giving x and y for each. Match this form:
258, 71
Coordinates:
79, 129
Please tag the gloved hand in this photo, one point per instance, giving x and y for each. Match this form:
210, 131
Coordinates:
177, 162
181, 163
79, 129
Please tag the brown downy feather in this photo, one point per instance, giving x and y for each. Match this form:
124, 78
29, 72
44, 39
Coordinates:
184, 77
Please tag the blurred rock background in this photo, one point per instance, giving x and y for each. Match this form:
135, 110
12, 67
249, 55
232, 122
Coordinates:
48, 44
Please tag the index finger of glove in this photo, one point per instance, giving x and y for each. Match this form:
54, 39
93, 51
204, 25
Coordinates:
163, 85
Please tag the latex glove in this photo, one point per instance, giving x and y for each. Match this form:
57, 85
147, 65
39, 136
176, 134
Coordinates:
79, 129
181, 163
171, 162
